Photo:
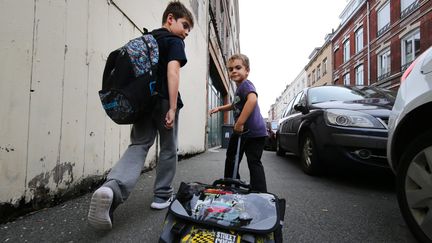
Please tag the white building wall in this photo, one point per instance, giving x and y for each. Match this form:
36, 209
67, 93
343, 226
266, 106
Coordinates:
281, 103
54, 133
299, 83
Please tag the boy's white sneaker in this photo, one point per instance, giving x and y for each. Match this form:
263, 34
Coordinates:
161, 203
100, 215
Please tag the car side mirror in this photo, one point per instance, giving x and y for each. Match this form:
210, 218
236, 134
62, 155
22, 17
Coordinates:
300, 107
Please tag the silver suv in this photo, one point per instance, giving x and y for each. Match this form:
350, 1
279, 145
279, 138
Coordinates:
409, 146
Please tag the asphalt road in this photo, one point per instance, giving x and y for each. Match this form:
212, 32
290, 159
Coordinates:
345, 205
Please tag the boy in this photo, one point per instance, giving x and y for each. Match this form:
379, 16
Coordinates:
121, 180
247, 117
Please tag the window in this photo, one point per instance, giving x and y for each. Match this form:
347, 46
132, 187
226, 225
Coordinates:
324, 66
214, 122
383, 19
408, 6
346, 79
318, 73
288, 108
309, 79
410, 48
359, 40
313, 76
384, 64
296, 101
359, 75
406, 3
346, 48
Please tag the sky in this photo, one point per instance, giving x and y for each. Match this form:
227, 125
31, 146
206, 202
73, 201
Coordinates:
278, 36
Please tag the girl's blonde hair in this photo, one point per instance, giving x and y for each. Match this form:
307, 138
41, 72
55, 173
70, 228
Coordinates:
241, 57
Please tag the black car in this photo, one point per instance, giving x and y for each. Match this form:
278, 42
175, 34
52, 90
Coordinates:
336, 124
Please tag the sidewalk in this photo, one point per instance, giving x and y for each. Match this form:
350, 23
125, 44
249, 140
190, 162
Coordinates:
134, 221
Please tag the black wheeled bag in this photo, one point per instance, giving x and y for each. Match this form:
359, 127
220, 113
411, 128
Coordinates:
226, 211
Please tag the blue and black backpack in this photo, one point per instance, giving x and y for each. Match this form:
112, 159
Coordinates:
129, 83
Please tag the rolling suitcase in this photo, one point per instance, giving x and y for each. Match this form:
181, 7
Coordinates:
226, 211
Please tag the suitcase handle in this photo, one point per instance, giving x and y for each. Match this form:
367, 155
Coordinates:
237, 156
230, 182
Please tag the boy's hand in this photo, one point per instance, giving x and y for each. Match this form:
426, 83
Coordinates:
169, 119
214, 110
238, 128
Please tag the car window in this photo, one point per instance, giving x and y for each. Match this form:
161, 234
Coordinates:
375, 92
302, 100
296, 101
274, 125
346, 93
288, 108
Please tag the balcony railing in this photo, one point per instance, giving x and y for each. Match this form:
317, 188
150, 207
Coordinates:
383, 76
383, 29
405, 66
410, 9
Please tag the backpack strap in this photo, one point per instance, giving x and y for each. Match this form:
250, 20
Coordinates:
148, 50
109, 67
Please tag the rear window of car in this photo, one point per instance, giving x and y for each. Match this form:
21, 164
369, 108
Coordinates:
274, 125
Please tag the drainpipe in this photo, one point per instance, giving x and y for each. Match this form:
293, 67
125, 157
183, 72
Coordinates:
368, 41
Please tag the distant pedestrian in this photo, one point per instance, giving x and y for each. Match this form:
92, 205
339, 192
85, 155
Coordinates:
123, 177
247, 117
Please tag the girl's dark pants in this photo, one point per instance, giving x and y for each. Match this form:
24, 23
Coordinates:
253, 148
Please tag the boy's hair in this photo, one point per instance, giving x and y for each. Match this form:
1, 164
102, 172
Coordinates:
242, 58
178, 10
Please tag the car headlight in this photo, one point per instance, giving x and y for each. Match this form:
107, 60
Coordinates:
347, 118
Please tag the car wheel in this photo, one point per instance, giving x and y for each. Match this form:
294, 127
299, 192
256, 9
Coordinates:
279, 150
414, 186
309, 155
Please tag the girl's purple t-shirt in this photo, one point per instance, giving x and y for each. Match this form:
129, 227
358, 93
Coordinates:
255, 123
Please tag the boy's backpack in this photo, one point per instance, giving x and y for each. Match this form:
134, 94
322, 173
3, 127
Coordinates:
129, 86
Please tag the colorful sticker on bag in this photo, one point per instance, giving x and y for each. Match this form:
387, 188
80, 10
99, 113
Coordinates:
225, 238
199, 235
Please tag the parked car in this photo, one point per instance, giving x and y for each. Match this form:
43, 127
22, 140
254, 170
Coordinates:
409, 147
270, 140
336, 124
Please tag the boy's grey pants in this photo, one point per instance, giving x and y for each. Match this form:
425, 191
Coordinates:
125, 174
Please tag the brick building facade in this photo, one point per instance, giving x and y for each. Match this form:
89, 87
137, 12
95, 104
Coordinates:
378, 39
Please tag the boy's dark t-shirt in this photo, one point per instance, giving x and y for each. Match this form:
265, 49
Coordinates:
255, 123
170, 48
